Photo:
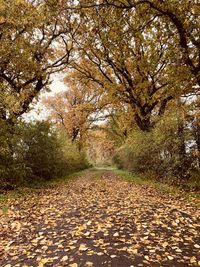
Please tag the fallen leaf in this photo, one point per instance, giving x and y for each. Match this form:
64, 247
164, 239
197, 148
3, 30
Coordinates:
89, 263
193, 259
113, 256
65, 258
83, 247
116, 234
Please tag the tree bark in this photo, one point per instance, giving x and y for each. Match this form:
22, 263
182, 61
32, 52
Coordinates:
143, 123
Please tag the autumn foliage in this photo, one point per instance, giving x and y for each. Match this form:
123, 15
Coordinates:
131, 71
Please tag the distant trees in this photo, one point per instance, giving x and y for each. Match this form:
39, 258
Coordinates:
77, 109
100, 148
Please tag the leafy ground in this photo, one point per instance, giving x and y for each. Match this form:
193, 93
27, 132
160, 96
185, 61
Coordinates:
100, 219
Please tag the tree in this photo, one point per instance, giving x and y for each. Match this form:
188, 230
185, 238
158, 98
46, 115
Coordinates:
78, 108
119, 124
34, 44
181, 19
129, 55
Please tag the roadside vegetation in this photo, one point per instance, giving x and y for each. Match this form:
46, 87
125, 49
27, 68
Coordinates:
131, 71
35, 152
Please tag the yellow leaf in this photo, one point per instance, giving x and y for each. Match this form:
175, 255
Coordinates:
89, 264
193, 259
116, 234
83, 247
113, 256
65, 258
42, 262
16, 225
165, 244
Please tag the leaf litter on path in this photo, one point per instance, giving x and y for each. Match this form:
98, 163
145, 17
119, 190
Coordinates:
100, 222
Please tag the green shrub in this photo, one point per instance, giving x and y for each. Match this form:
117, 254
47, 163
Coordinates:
36, 150
12, 167
155, 152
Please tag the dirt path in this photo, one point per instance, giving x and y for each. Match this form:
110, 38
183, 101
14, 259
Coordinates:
100, 220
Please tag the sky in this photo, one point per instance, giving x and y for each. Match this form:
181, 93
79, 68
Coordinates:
38, 111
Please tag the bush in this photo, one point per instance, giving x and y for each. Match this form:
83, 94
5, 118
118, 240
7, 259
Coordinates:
73, 158
42, 152
139, 153
49, 153
156, 152
36, 150
12, 167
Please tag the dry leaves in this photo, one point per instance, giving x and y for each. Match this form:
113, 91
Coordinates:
100, 222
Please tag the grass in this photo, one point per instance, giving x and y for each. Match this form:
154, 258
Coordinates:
165, 188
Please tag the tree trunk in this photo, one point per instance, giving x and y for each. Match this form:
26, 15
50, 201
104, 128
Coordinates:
144, 123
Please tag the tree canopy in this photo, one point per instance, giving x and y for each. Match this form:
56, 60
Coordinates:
131, 70
35, 43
